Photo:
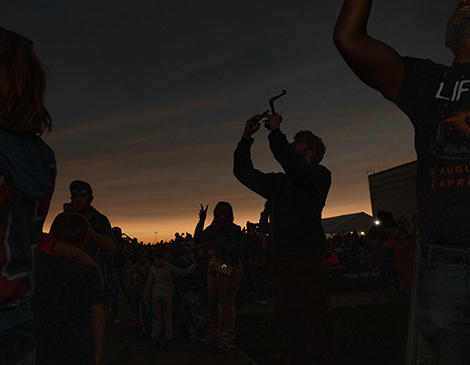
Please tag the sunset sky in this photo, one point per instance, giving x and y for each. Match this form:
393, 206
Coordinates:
149, 98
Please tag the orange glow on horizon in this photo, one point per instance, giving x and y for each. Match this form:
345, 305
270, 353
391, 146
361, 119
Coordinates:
142, 223
144, 228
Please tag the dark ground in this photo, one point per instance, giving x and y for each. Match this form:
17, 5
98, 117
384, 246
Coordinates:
126, 345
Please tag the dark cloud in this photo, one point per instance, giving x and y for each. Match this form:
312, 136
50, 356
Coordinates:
150, 98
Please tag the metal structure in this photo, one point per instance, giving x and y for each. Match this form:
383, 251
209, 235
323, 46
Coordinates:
393, 190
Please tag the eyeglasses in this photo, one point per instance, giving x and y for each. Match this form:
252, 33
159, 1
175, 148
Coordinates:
76, 190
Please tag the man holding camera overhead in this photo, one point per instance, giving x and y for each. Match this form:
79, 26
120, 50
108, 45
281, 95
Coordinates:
299, 274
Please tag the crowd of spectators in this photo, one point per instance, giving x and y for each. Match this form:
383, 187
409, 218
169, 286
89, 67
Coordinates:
387, 249
188, 303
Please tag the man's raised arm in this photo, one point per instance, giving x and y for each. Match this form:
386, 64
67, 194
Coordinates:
375, 63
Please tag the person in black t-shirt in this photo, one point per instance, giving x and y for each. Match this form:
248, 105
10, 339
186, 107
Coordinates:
436, 98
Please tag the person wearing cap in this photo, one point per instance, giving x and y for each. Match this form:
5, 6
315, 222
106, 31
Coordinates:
436, 98
101, 234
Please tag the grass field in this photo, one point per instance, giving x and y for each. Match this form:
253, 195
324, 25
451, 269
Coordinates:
365, 335
355, 285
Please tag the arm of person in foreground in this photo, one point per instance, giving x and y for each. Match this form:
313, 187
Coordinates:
53, 247
102, 241
98, 325
243, 169
374, 62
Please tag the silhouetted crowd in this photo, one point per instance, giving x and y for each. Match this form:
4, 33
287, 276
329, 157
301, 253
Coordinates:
188, 291
386, 249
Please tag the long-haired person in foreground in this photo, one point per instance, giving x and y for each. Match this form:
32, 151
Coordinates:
222, 243
27, 175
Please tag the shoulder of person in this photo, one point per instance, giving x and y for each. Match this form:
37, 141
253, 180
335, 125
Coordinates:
236, 226
422, 64
321, 168
95, 214
419, 73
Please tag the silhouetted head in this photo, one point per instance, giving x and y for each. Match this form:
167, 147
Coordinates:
117, 231
71, 228
250, 227
22, 86
81, 196
458, 27
223, 213
309, 146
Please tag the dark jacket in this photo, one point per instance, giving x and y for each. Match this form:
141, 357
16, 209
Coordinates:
229, 243
296, 197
